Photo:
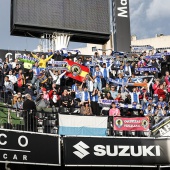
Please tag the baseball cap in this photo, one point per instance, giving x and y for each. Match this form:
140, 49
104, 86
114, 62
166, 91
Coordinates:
149, 98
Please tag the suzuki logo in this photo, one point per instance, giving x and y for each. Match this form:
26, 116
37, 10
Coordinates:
81, 150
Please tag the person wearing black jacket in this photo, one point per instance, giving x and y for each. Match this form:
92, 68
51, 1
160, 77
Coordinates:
57, 56
29, 108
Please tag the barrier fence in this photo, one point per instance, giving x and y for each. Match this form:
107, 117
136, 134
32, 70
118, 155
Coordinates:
64, 122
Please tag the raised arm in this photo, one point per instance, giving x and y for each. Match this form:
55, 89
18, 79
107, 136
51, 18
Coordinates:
35, 56
47, 59
51, 73
61, 75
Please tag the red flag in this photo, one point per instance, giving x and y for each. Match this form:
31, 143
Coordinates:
76, 71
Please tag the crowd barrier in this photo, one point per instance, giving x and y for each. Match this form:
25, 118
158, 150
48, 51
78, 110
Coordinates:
51, 122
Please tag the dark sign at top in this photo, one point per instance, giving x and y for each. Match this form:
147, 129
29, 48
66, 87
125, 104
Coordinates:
85, 20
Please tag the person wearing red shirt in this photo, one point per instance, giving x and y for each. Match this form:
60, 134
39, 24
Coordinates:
155, 88
161, 92
167, 77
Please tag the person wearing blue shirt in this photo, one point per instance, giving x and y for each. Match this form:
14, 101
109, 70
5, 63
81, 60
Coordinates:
105, 71
36, 73
97, 76
94, 102
120, 79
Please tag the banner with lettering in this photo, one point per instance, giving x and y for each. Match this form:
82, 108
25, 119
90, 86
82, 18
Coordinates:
162, 128
152, 69
131, 124
21, 147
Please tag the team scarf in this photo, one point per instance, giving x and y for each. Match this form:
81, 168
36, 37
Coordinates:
148, 76
58, 63
141, 47
31, 59
153, 69
165, 54
154, 57
120, 105
116, 82
103, 49
57, 68
68, 50
106, 102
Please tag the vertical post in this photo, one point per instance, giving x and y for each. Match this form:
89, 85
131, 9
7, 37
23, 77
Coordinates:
158, 167
121, 25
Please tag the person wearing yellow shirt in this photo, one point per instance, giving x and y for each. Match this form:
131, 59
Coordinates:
42, 61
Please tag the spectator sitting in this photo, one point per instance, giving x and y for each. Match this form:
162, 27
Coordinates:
149, 111
113, 92
66, 99
29, 90
43, 104
42, 88
55, 99
14, 99
162, 102
119, 98
148, 102
18, 104
8, 85
106, 88
86, 109
45, 95
127, 99
5, 69
160, 112
108, 96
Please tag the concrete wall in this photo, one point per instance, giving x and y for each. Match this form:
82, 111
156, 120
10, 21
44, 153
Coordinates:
157, 42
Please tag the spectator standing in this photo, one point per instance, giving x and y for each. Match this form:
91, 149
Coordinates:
155, 88
97, 76
29, 108
42, 61
161, 92
94, 102
113, 110
20, 81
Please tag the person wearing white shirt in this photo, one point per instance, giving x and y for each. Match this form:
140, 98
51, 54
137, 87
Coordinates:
105, 72
13, 79
14, 63
127, 69
56, 76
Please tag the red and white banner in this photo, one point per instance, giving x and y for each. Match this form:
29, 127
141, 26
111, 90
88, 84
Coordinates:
131, 124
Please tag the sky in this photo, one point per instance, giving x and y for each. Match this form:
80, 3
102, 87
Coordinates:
147, 18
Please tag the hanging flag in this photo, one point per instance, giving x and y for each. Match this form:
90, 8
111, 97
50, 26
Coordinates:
82, 125
76, 71
131, 124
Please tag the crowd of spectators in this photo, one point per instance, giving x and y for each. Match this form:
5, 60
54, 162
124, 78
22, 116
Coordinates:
110, 89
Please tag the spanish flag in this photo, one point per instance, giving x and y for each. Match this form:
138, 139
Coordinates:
76, 71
